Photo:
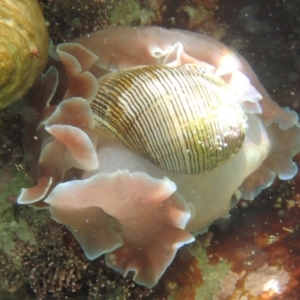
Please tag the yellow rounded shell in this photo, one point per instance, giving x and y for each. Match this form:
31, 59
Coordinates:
180, 118
24, 44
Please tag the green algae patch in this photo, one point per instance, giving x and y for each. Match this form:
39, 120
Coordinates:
18, 225
130, 12
212, 274
15, 219
13, 179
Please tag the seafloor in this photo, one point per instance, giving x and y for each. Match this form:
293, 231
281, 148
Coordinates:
255, 254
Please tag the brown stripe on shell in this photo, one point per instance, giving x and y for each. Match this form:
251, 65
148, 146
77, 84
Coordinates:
180, 118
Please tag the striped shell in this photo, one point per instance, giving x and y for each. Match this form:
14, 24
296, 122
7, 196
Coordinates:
24, 44
182, 119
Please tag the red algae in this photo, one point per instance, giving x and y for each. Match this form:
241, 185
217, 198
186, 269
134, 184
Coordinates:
181, 278
261, 233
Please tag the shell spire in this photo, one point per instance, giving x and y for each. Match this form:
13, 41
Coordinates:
24, 44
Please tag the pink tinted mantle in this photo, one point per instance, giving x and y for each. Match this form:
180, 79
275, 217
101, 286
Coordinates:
115, 202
